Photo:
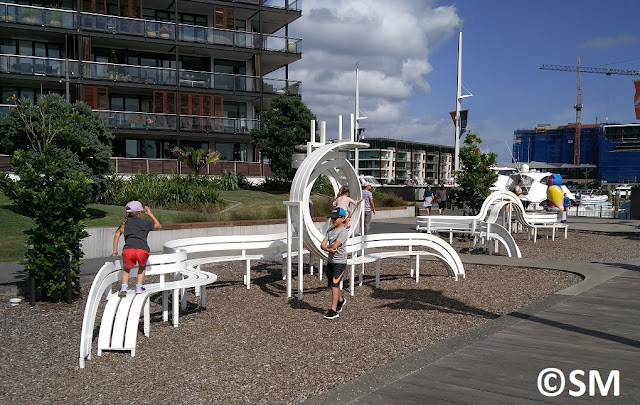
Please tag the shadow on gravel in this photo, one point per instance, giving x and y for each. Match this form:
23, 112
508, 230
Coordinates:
423, 299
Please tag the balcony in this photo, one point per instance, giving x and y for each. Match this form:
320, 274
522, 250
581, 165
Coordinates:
187, 33
33, 65
284, 4
171, 122
281, 86
41, 16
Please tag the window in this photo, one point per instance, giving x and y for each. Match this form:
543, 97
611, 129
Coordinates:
232, 151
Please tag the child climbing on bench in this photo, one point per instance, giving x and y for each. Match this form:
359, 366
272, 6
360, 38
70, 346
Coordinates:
136, 249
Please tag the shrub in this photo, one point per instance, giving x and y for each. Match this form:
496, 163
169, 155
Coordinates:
381, 199
272, 185
232, 181
170, 192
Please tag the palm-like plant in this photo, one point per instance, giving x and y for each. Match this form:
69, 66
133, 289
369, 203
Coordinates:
196, 159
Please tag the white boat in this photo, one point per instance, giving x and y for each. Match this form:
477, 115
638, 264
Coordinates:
534, 185
623, 190
593, 199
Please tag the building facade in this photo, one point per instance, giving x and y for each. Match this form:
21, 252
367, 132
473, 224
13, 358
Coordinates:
393, 161
614, 149
162, 73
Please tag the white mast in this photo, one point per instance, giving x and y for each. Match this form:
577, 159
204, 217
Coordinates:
357, 118
459, 98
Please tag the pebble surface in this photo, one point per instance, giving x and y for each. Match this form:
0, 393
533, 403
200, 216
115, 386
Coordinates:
256, 347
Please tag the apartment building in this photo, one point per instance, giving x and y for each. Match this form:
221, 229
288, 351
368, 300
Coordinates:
393, 161
162, 73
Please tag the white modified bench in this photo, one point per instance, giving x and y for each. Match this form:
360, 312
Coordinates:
218, 249
414, 243
121, 315
546, 221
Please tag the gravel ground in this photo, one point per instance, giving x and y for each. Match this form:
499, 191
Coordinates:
256, 347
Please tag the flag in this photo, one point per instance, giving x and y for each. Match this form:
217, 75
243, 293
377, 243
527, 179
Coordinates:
463, 119
636, 99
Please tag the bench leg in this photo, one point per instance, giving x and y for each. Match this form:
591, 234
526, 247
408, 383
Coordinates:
183, 299
417, 268
165, 306
147, 318
247, 271
311, 263
320, 269
203, 296
377, 273
361, 274
565, 232
352, 280
535, 234
175, 304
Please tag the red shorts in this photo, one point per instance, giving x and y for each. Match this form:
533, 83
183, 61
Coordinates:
132, 257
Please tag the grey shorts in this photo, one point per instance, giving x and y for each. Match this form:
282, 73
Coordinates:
335, 271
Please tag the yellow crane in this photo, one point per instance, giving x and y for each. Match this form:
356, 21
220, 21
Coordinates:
578, 106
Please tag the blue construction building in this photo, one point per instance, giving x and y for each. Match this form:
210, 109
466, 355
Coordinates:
614, 149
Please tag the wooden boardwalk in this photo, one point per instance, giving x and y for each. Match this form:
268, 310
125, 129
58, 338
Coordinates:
598, 329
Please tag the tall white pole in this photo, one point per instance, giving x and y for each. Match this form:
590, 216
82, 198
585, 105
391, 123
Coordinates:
355, 135
458, 97
339, 127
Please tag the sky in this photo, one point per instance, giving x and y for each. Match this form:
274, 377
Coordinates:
407, 54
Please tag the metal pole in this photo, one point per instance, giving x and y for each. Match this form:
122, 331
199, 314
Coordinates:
456, 166
67, 265
32, 278
355, 134
66, 78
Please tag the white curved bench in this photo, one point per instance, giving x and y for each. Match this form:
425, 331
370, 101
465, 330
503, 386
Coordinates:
121, 316
218, 249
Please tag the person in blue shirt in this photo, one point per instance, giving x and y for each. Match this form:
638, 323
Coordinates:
566, 202
428, 199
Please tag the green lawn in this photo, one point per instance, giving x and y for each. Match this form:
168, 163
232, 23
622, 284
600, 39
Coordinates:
253, 205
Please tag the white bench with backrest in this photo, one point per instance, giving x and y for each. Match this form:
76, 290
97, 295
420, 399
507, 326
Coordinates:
410, 245
217, 249
121, 315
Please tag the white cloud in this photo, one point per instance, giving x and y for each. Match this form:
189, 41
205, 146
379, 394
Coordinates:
391, 41
609, 42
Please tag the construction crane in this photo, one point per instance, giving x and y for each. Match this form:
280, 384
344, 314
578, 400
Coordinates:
578, 106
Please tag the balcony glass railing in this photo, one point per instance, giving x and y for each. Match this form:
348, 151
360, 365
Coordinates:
33, 65
187, 33
218, 81
154, 121
128, 73
281, 86
286, 4
42, 16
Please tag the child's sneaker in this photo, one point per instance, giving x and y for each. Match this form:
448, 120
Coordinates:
340, 305
331, 314
140, 289
123, 290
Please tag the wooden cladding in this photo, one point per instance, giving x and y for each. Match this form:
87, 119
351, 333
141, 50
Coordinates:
125, 8
202, 105
96, 97
164, 102
224, 17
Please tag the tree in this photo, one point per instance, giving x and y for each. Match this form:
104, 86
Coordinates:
286, 125
82, 137
196, 159
476, 178
54, 146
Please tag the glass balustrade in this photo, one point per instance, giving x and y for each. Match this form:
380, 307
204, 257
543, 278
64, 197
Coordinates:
281, 86
51, 17
285, 4
33, 65
129, 73
153, 121
218, 81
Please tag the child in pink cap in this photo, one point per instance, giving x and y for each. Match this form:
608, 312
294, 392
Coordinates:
136, 249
